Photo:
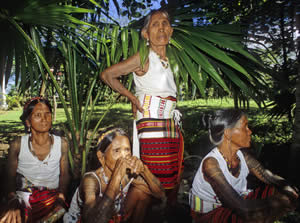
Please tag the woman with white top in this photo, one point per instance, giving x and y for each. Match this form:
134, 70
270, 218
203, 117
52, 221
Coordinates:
157, 138
38, 169
220, 191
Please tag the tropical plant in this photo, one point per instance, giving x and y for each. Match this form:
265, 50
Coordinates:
197, 54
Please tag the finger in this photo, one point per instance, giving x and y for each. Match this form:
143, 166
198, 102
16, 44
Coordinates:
140, 108
134, 109
19, 220
3, 219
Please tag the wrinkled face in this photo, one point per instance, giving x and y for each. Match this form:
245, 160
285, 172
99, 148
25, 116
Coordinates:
241, 134
159, 30
40, 119
119, 148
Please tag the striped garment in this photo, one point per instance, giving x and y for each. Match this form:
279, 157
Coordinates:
160, 139
226, 215
42, 202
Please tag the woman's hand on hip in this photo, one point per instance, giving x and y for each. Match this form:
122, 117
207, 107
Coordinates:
135, 105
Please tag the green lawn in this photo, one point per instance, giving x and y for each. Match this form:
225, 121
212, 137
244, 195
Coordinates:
265, 130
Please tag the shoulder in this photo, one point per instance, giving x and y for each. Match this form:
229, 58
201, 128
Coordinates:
15, 145
89, 178
246, 154
64, 145
210, 162
89, 187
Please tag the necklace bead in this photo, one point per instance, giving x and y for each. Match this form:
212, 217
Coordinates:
164, 63
229, 165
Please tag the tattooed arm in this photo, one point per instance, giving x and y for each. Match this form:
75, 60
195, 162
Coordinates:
268, 177
145, 180
98, 209
95, 208
150, 183
64, 170
13, 213
250, 210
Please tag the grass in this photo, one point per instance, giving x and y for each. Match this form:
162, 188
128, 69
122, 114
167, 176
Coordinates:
265, 130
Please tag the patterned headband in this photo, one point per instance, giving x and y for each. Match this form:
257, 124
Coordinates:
105, 134
31, 100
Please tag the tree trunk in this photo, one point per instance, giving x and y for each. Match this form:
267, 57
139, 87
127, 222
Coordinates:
235, 99
54, 106
294, 158
3, 104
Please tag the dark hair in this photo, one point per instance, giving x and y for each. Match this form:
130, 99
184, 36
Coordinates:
148, 17
29, 106
221, 120
107, 136
105, 139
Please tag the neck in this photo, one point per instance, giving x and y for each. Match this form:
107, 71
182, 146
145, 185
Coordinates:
40, 138
107, 172
160, 51
228, 150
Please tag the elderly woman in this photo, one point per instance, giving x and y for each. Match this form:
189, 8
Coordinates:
37, 167
159, 137
220, 193
119, 189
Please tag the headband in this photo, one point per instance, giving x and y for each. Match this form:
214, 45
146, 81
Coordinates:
33, 99
105, 134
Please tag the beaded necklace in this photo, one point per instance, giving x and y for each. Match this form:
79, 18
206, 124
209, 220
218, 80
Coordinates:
235, 170
164, 63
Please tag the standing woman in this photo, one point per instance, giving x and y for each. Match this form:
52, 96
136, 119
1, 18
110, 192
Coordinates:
153, 106
37, 167
220, 192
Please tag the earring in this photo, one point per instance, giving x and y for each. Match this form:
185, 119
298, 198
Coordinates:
147, 44
169, 41
29, 129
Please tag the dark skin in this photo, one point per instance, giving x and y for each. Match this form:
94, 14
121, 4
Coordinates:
115, 161
266, 210
158, 34
39, 123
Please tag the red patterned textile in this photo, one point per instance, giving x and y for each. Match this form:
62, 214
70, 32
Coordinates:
162, 155
226, 215
42, 203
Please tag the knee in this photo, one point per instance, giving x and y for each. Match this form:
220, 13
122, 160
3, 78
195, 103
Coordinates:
141, 196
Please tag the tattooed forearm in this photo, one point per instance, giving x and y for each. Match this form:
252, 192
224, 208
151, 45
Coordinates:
247, 209
102, 212
263, 174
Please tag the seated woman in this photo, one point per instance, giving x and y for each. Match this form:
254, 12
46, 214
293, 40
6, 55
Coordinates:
219, 192
37, 167
120, 189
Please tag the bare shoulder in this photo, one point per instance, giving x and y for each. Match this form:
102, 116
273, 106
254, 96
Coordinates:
210, 162
15, 145
64, 145
89, 188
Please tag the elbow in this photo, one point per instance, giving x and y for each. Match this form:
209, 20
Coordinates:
159, 193
104, 77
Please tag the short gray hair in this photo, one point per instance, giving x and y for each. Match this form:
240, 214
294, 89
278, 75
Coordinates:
148, 17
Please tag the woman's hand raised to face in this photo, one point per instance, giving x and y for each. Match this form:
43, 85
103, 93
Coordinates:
135, 165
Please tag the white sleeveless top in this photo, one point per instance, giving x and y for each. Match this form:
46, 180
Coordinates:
74, 212
40, 173
158, 81
203, 190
